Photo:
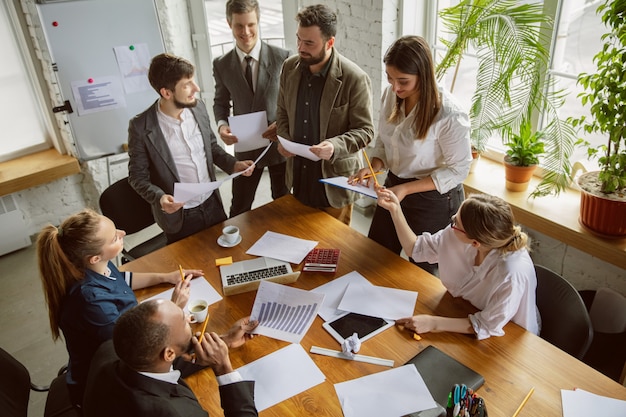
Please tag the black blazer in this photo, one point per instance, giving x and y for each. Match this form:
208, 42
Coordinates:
115, 390
231, 90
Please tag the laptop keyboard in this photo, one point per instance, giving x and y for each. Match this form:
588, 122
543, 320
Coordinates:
259, 274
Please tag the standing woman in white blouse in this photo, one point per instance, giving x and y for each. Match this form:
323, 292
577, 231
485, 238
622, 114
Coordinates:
423, 141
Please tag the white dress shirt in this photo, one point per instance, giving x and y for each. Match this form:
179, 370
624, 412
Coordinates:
503, 286
444, 154
173, 376
185, 141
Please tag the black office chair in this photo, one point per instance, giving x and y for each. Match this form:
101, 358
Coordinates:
565, 321
15, 387
131, 213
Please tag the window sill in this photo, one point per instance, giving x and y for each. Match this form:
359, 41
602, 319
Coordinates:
556, 217
35, 169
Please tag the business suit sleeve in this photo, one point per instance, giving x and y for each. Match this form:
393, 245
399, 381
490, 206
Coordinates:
238, 399
360, 125
282, 116
222, 100
139, 163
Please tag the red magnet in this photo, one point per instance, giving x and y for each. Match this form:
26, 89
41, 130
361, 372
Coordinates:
90, 81
55, 23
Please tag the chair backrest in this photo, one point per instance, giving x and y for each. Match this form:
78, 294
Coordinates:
14, 386
565, 321
608, 311
128, 210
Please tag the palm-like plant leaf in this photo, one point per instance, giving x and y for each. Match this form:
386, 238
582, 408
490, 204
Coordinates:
512, 52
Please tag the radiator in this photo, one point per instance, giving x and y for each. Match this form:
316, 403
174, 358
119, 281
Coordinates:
12, 226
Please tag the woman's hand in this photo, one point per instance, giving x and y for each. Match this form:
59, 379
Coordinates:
421, 323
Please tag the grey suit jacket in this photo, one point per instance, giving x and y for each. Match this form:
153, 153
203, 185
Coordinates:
232, 91
345, 119
151, 168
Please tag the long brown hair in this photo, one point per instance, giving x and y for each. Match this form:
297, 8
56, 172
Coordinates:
411, 55
490, 221
62, 253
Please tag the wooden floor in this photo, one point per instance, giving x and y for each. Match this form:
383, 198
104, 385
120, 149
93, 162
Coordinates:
24, 326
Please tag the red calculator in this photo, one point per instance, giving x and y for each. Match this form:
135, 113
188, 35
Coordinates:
322, 260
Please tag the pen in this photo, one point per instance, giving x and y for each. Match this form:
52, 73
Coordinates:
182, 274
524, 402
369, 164
203, 329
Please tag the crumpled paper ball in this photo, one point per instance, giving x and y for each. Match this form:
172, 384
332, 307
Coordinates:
351, 345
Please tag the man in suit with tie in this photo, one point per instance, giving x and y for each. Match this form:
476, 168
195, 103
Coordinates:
133, 375
247, 80
172, 141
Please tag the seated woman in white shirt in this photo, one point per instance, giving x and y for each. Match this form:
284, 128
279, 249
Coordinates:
483, 258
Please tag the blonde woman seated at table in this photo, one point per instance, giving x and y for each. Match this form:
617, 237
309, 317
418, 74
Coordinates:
84, 290
483, 258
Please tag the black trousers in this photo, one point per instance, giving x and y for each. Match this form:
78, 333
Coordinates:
429, 211
244, 188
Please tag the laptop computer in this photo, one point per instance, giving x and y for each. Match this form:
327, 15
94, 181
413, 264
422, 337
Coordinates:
243, 276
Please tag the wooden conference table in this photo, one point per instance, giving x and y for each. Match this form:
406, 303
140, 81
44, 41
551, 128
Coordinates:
511, 364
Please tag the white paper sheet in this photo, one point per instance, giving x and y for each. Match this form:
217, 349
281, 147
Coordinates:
185, 191
581, 403
342, 182
249, 129
334, 291
298, 149
282, 247
200, 289
283, 312
98, 94
133, 62
392, 393
281, 375
384, 302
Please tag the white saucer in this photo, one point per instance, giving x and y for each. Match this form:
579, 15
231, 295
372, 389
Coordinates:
223, 243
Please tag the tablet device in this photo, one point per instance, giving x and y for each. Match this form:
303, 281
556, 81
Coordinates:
364, 326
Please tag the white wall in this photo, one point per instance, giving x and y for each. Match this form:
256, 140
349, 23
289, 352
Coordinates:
366, 29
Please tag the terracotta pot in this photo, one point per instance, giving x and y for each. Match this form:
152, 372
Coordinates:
602, 214
517, 178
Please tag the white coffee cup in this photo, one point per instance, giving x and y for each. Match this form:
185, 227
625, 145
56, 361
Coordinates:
230, 234
199, 310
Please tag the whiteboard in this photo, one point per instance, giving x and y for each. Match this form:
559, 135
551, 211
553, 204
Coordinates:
81, 36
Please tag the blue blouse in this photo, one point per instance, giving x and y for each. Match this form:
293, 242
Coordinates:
88, 314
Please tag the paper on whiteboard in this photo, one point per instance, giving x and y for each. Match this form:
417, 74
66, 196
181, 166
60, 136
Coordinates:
298, 149
249, 129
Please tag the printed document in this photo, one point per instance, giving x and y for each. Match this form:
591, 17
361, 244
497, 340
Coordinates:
249, 129
283, 312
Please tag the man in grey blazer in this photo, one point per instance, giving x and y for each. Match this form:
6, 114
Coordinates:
232, 90
133, 375
325, 100
172, 141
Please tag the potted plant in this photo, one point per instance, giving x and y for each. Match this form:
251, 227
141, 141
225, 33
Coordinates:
512, 47
603, 193
522, 156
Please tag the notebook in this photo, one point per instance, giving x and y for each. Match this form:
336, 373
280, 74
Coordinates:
246, 275
440, 372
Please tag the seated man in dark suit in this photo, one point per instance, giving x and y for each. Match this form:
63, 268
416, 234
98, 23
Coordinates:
140, 381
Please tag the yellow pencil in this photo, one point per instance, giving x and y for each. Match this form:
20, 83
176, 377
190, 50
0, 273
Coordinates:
182, 274
203, 329
524, 402
369, 164
372, 175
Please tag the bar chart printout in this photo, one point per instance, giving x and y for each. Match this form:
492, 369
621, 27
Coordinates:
283, 312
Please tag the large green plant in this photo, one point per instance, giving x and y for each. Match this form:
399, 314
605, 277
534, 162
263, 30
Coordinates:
511, 43
606, 94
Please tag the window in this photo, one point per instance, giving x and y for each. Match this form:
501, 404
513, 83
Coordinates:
576, 39
23, 117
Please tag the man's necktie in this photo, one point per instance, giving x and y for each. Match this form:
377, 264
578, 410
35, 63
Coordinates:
249, 72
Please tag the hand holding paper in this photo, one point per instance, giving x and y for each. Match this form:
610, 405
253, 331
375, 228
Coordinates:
298, 149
